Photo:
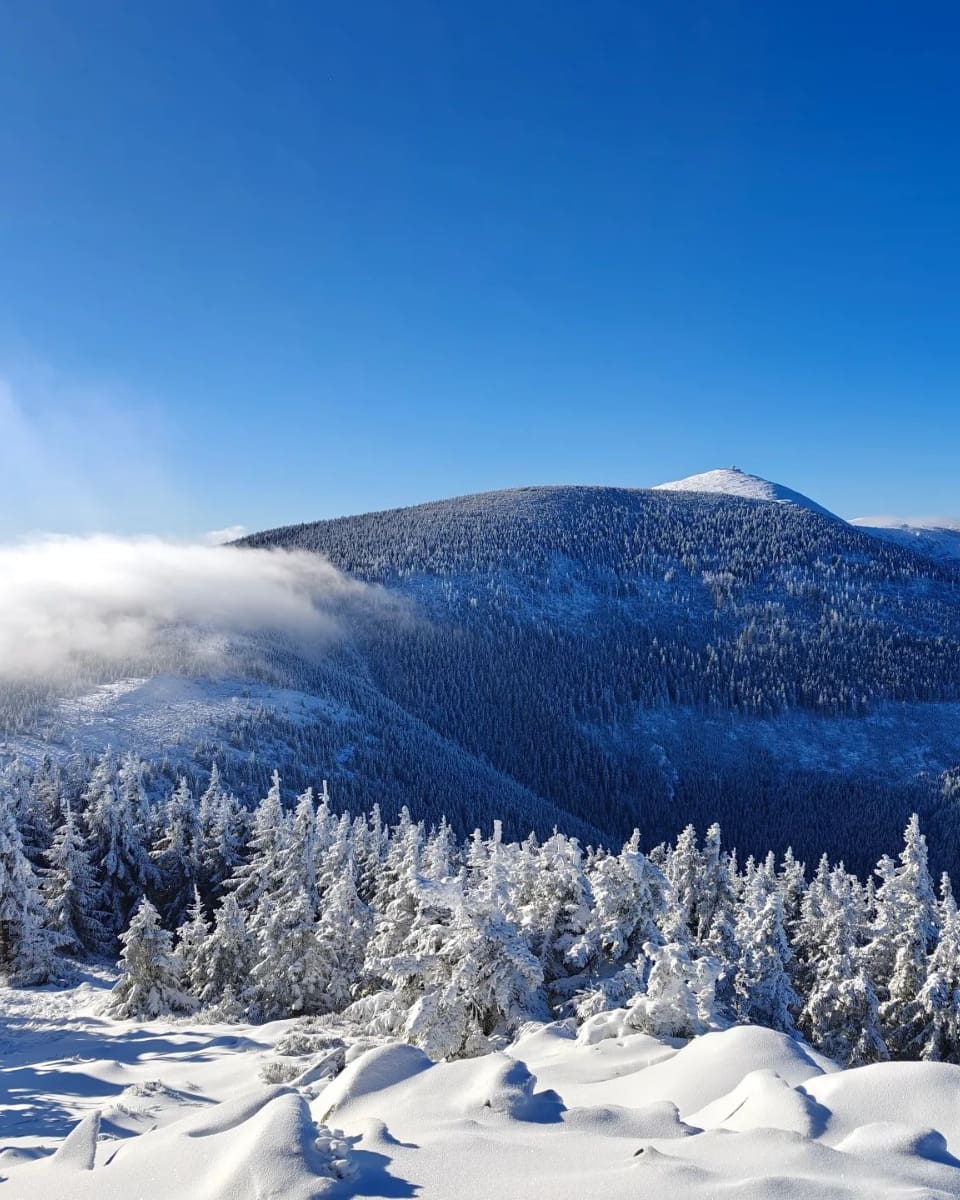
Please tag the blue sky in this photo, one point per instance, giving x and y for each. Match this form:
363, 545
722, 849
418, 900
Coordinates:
267, 263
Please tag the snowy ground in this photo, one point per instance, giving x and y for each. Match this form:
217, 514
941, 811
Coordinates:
184, 1114
158, 714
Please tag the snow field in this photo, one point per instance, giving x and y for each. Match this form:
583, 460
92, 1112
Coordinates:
118, 1110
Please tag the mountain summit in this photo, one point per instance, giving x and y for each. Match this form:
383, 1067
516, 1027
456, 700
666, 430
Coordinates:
731, 481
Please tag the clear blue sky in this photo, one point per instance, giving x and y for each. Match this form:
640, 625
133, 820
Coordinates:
264, 262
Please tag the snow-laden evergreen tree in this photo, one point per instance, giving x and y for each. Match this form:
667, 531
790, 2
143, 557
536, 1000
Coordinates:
679, 995
343, 932
291, 971
684, 871
904, 932
939, 997
260, 873
70, 894
26, 945
762, 990
178, 853
151, 980
117, 851
223, 833
841, 1013
31, 816
192, 935
222, 963
557, 921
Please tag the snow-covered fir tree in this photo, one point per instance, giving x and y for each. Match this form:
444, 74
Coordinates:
151, 979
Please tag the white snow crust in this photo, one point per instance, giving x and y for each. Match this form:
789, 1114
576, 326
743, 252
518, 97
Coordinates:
176, 1110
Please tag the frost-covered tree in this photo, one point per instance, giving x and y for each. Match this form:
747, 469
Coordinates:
763, 994
191, 937
939, 997
841, 1013
904, 932
222, 963
117, 851
151, 982
260, 872
26, 945
178, 853
70, 893
679, 995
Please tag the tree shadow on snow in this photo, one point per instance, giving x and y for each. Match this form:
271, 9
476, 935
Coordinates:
373, 1178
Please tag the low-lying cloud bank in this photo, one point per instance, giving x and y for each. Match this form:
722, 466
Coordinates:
64, 599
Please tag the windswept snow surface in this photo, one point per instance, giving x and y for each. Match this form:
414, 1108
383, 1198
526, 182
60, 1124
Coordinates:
731, 481
176, 1110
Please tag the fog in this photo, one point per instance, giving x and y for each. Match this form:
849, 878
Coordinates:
63, 599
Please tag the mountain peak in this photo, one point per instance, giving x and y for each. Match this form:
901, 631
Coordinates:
732, 481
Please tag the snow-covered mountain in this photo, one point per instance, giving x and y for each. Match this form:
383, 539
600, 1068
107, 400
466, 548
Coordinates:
937, 537
731, 481
592, 658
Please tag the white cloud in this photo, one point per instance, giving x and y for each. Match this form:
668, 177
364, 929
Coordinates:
219, 537
63, 599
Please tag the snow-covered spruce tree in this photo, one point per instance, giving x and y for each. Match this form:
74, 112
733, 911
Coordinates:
841, 1013
70, 893
343, 932
259, 873
31, 816
556, 923
762, 990
222, 963
151, 983
191, 936
463, 976
904, 932
679, 996
223, 833
939, 998
289, 977
123, 868
177, 853
26, 945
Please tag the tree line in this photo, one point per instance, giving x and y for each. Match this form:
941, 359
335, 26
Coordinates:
452, 943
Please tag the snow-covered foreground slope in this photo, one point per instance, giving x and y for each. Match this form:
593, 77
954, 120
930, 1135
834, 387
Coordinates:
178, 1110
731, 481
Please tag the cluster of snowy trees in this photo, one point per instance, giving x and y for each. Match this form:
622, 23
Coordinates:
411, 931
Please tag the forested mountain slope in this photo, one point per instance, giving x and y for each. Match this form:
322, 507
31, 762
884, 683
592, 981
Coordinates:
657, 656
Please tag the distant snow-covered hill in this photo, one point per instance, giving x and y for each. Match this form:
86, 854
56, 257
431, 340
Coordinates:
731, 481
936, 537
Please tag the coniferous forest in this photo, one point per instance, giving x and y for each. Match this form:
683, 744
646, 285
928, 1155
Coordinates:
294, 909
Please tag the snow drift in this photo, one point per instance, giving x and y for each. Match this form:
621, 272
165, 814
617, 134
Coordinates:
745, 1112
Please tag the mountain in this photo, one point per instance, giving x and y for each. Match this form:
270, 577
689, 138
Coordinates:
936, 537
588, 658
652, 657
731, 481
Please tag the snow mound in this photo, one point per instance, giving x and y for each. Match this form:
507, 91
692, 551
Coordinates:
374, 1071
762, 1100
928, 1093
712, 1066
731, 481
266, 1145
